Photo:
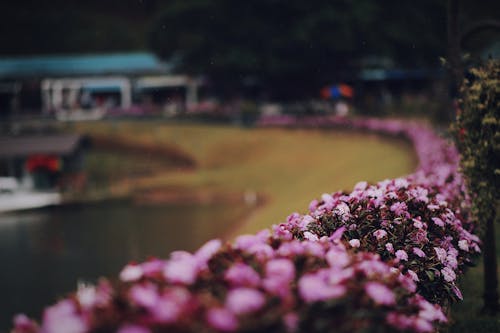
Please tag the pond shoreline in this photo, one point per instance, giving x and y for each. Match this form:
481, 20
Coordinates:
134, 189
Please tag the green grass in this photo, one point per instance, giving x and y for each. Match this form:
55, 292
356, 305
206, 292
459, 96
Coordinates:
288, 167
466, 316
106, 167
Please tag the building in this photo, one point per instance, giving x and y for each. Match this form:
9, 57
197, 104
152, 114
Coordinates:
90, 86
49, 162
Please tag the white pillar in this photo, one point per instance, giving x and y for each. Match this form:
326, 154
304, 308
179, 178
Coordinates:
126, 94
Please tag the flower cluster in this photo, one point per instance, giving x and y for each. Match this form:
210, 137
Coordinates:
288, 285
384, 257
420, 221
404, 223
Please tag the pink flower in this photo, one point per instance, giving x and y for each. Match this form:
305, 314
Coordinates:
86, 296
422, 326
205, 252
380, 294
244, 300
144, 295
170, 305
291, 321
261, 251
244, 242
283, 269
374, 265
379, 234
361, 186
413, 275
222, 319
401, 183
343, 210
419, 252
337, 257
63, 318
337, 235
402, 255
22, 324
389, 247
313, 288
242, 275
310, 236
451, 261
463, 245
305, 221
129, 328
354, 243
280, 231
418, 224
291, 248
437, 221
313, 205
420, 194
399, 321
432, 207
399, 208
407, 282
441, 254
152, 267
131, 273
457, 292
181, 270
448, 274
430, 312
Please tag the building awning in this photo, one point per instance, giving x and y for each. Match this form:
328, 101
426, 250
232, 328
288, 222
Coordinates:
22, 146
94, 64
398, 74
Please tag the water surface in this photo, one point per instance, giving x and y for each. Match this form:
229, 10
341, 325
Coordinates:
44, 253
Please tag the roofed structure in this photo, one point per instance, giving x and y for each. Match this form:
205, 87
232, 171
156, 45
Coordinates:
92, 64
22, 146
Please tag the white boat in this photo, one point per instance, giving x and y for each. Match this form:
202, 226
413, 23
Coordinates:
13, 197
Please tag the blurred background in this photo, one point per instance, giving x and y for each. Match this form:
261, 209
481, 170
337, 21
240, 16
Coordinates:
128, 127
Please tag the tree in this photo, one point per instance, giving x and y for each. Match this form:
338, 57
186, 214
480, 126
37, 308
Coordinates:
293, 47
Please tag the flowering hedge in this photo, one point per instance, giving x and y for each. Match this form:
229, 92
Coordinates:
384, 257
421, 221
289, 285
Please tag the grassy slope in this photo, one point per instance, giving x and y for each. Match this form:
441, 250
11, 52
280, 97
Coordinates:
290, 167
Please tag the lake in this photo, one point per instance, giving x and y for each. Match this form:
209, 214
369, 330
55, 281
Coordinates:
44, 253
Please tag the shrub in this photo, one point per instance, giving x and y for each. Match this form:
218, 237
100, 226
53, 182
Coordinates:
259, 284
406, 224
477, 132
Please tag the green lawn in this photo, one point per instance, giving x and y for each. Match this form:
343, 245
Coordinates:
288, 167
466, 315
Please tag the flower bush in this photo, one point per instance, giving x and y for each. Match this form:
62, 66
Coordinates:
421, 221
383, 258
288, 285
404, 223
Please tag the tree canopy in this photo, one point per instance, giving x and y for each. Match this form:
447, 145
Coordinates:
282, 43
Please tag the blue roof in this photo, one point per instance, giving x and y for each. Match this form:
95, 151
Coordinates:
116, 63
397, 74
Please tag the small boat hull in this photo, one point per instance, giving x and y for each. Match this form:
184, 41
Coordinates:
22, 200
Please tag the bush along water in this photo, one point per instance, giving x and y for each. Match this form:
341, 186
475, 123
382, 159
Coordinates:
385, 257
